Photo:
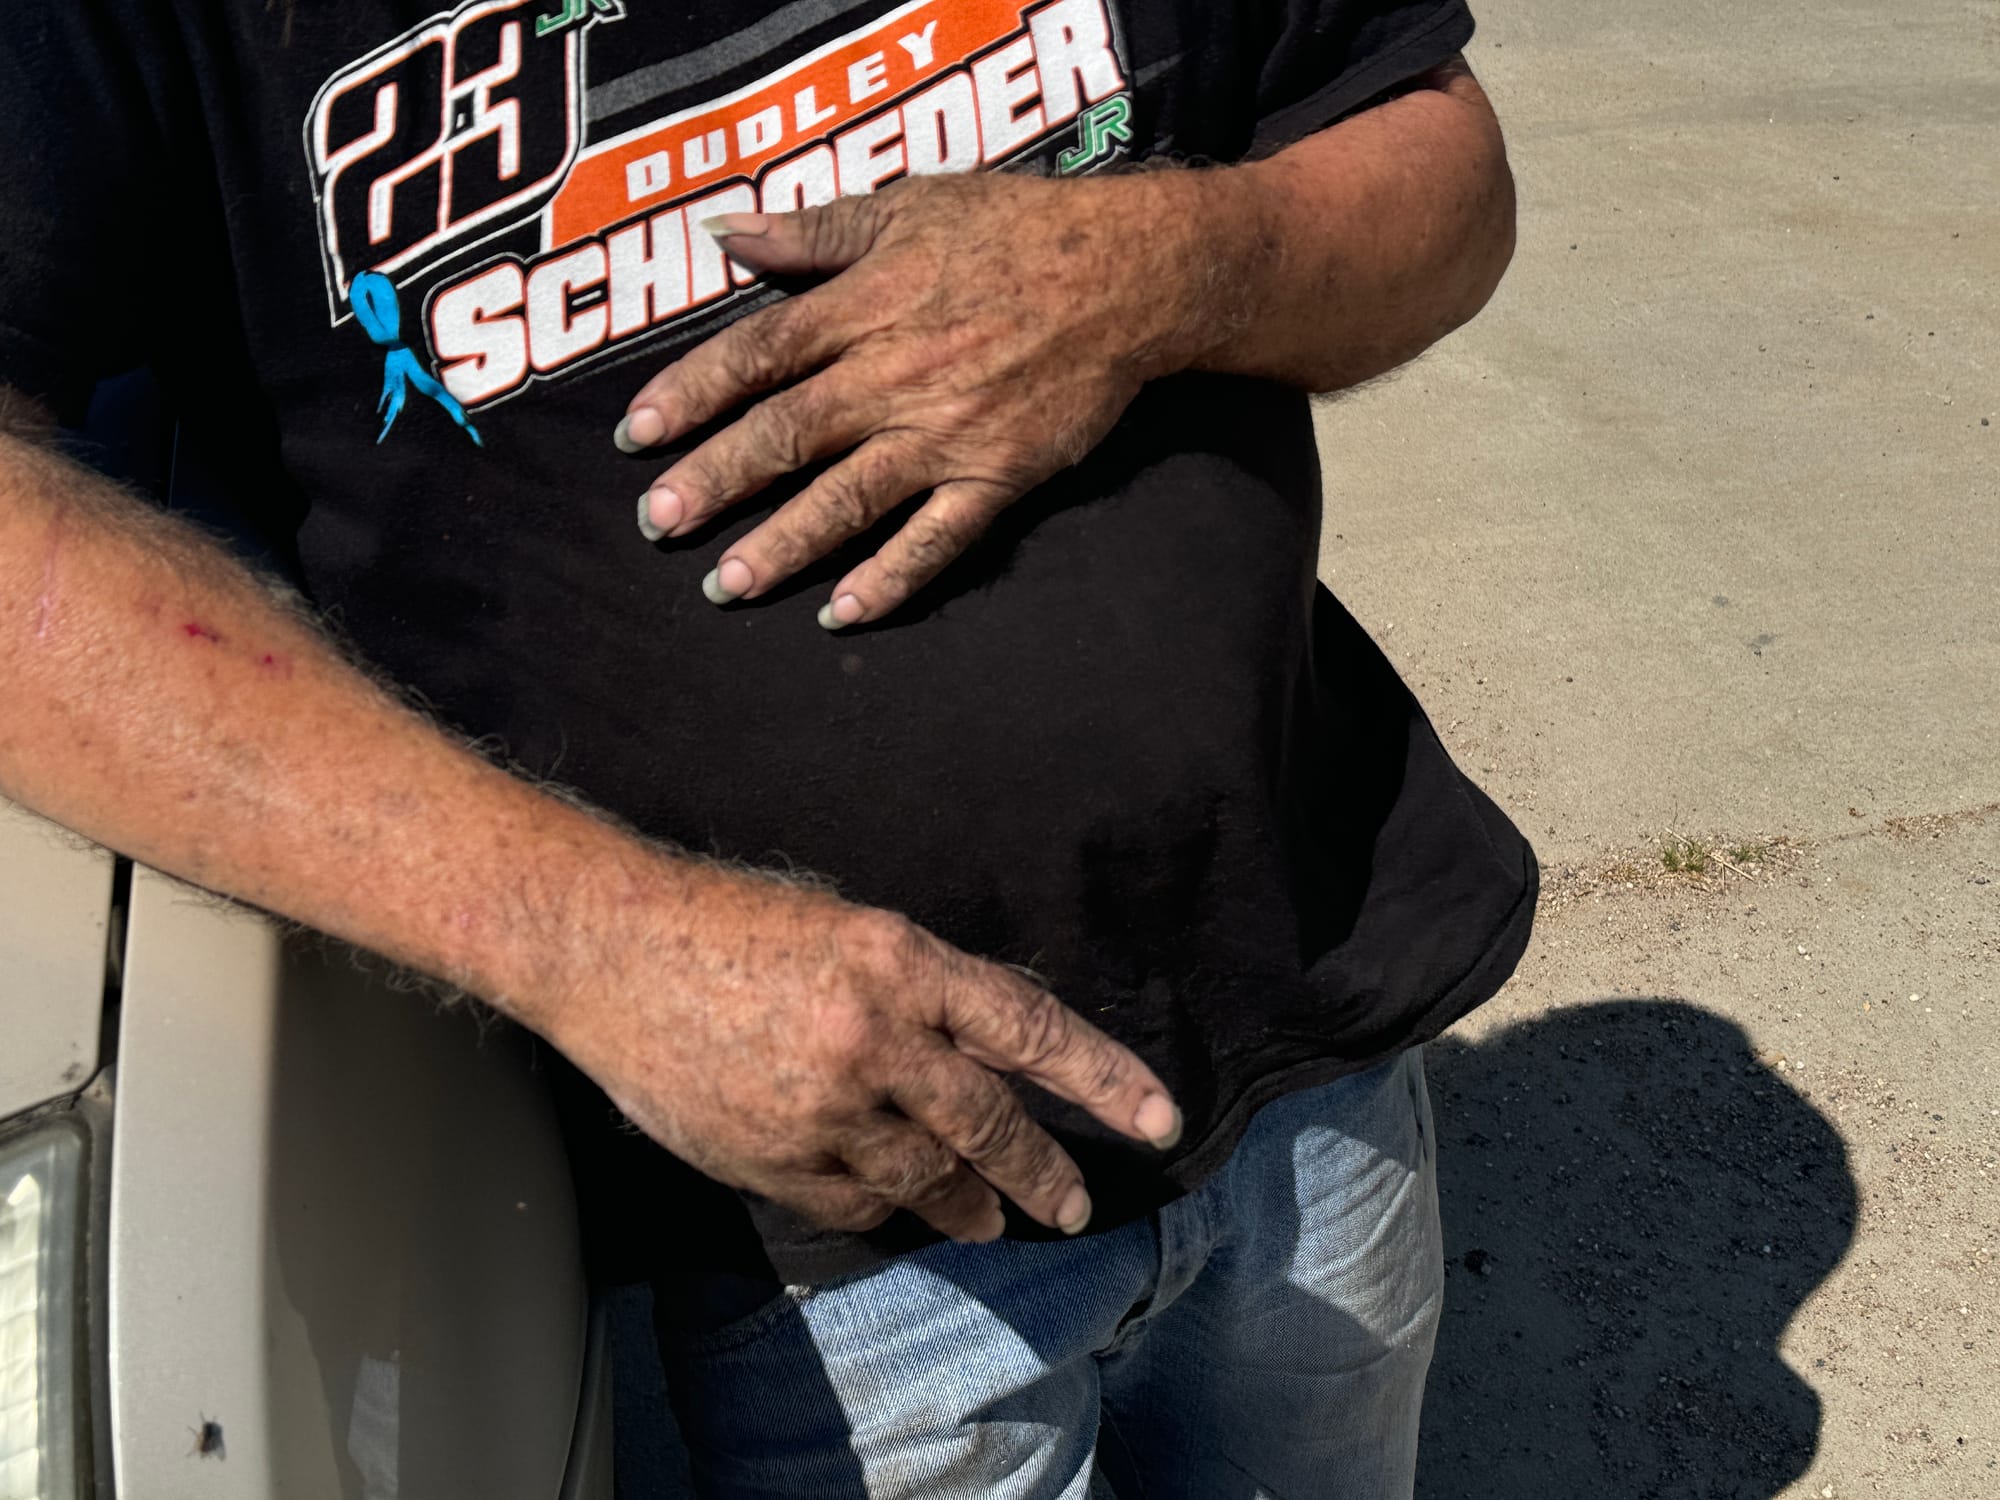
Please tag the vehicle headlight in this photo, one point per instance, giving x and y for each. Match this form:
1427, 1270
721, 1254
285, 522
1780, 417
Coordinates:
41, 1204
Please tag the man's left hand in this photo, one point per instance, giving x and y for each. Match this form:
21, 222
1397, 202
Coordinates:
980, 333
977, 335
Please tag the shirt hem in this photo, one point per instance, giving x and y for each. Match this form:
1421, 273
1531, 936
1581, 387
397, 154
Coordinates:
1494, 966
818, 1267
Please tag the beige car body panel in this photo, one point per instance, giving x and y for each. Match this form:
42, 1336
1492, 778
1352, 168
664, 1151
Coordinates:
55, 904
341, 1222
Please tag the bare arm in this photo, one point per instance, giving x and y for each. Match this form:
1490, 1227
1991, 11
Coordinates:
1358, 248
159, 700
162, 701
981, 333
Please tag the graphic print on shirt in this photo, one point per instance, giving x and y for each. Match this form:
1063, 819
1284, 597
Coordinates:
474, 127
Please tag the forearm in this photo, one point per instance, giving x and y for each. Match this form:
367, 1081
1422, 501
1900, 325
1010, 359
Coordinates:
159, 700
1354, 250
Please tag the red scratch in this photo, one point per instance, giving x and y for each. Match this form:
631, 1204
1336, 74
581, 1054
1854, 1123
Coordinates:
272, 662
196, 631
45, 606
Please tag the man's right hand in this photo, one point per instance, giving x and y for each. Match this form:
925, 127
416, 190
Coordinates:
835, 1058
841, 1060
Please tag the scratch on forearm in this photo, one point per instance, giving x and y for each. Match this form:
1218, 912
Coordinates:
45, 604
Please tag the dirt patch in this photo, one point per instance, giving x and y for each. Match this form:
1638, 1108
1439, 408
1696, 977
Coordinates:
1677, 864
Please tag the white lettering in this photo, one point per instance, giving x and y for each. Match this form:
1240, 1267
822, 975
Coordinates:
709, 270
488, 118
918, 44
488, 351
868, 77
941, 128
760, 132
704, 153
1005, 80
649, 272
806, 112
870, 153
805, 181
648, 175
1072, 48
554, 337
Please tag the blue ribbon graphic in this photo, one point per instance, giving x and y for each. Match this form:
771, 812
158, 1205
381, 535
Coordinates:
373, 298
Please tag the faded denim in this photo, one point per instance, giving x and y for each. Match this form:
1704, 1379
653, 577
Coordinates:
1264, 1338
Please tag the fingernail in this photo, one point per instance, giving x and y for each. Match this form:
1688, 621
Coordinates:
842, 611
639, 430
667, 509
1158, 1121
740, 224
647, 529
730, 581
848, 609
1075, 1210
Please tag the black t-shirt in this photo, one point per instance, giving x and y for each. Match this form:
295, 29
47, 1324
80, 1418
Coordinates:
420, 259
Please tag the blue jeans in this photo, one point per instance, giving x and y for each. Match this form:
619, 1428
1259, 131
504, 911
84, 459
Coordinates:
1263, 1338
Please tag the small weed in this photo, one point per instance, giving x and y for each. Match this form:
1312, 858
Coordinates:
1684, 856
1749, 854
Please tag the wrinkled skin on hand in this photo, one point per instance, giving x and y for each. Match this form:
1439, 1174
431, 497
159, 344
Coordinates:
845, 1062
977, 335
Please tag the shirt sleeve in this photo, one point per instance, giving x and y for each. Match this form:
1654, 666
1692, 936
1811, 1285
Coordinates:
1326, 58
79, 217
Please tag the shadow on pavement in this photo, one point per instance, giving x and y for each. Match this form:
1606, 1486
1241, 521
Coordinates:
1634, 1208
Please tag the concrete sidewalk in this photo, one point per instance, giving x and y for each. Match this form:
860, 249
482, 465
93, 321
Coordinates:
1695, 536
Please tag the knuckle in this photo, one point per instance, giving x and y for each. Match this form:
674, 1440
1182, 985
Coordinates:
1035, 1027
817, 230
917, 1173
956, 410
808, 405
994, 1131
841, 499
886, 466
744, 360
779, 437
786, 329
907, 190
852, 1208
885, 941
1039, 1172
839, 228
932, 541
1109, 1075
701, 383
849, 1029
